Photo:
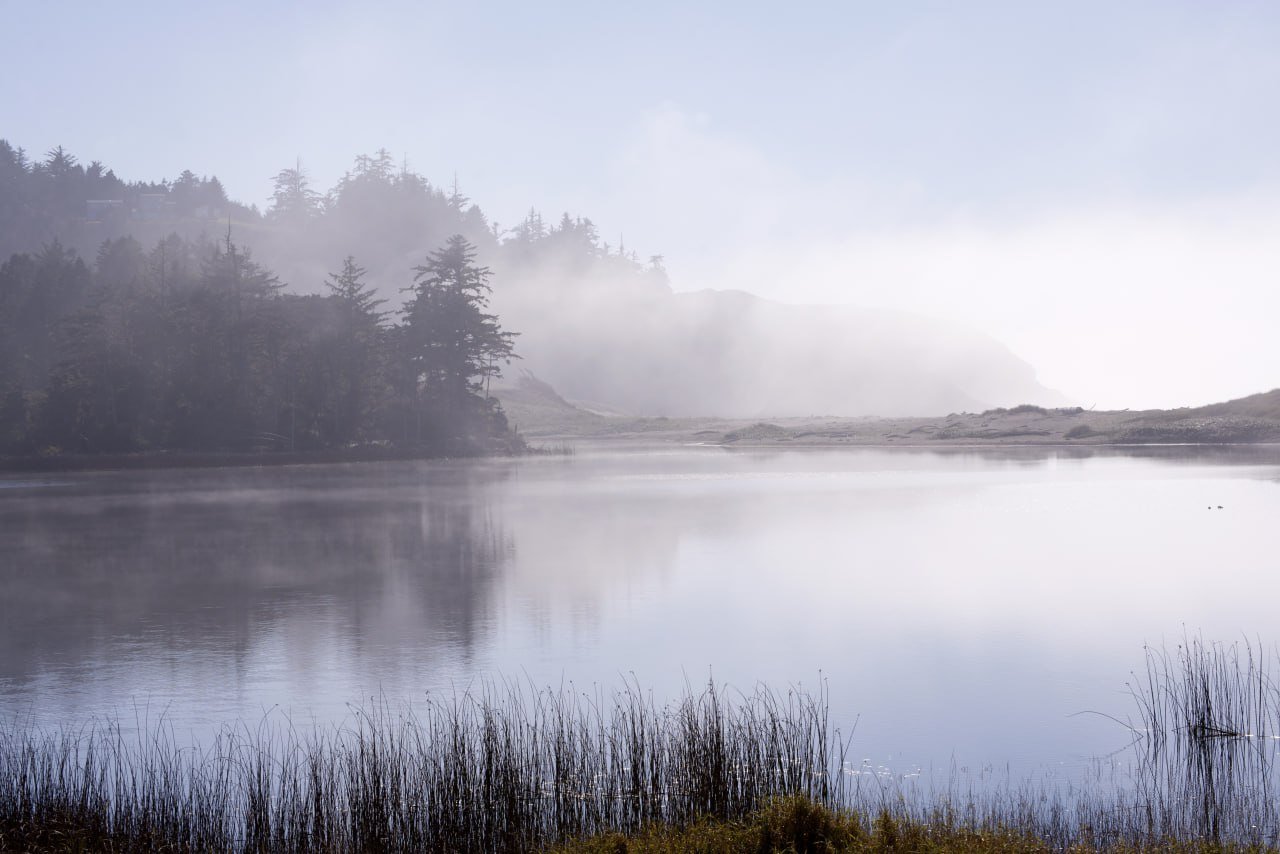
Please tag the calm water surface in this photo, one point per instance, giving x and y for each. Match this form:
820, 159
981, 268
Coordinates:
961, 607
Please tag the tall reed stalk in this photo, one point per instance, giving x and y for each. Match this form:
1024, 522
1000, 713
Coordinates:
1209, 717
499, 770
509, 768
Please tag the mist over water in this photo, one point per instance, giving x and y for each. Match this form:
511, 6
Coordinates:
960, 606
1095, 189
783, 291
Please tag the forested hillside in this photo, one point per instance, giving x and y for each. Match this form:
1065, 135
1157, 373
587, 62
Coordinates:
190, 344
597, 320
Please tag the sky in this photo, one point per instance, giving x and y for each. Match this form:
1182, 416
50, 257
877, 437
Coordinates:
1096, 184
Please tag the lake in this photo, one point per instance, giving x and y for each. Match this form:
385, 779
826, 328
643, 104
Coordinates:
962, 607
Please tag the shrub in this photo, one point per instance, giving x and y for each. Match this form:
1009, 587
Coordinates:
1080, 431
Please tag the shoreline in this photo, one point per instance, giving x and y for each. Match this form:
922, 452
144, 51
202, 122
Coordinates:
557, 424
161, 460
1253, 420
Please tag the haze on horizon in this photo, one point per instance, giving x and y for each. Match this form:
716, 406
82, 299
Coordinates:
1095, 186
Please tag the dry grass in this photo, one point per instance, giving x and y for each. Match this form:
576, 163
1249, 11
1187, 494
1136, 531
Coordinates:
798, 825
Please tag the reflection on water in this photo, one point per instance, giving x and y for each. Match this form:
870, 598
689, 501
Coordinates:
960, 604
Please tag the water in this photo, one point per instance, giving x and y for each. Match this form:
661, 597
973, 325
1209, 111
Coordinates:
969, 612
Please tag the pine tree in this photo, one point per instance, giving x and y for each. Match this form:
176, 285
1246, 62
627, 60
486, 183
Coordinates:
293, 200
452, 346
355, 354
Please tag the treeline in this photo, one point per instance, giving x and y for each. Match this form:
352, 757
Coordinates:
386, 208
379, 210
52, 199
194, 346
129, 323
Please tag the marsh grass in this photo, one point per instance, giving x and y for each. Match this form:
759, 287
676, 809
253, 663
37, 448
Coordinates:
500, 770
1209, 715
511, 768
795, 824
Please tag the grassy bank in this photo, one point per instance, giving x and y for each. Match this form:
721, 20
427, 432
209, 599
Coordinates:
796, 824
515, 769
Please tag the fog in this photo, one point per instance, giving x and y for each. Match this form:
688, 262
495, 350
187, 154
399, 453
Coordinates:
615, 335
1090, 189
1119, 297
1188, 325
918, 355
620, 345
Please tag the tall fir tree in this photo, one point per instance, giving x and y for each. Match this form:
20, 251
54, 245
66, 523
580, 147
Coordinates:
451, 344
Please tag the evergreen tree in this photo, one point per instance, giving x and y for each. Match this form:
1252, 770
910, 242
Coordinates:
293, 200
451, 345
228, 373
356, 351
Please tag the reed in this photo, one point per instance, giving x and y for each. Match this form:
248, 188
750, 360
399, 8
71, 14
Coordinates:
499, 770
1209, 716
510, 768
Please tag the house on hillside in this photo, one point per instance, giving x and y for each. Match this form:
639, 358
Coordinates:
96, 210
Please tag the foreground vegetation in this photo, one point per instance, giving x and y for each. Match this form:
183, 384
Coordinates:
797, 824
523, 770
516, 771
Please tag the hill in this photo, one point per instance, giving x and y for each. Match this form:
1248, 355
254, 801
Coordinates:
596, 321
1248, 420
732, 354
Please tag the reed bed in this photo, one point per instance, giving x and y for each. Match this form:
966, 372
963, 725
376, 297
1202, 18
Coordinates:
1208, 740
511, 768
500, 770
1201, 768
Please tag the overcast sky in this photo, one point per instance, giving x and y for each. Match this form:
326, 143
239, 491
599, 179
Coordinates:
1095, 184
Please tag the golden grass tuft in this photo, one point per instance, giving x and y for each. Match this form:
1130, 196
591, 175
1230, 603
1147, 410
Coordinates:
797, 825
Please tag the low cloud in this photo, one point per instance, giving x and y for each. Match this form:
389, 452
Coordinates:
1117, 302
